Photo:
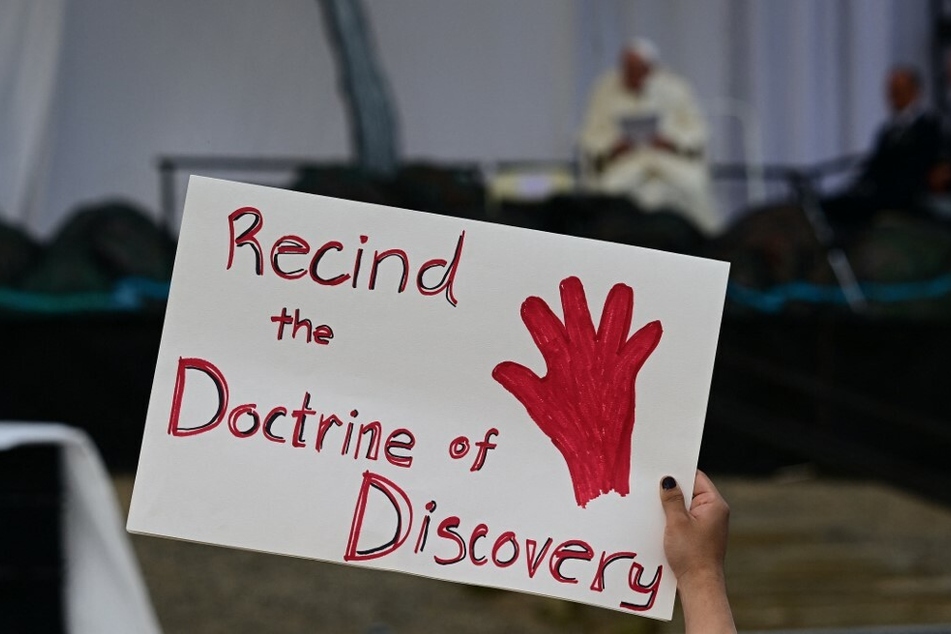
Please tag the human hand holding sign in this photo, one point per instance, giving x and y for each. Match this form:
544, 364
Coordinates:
585, 402
695, 541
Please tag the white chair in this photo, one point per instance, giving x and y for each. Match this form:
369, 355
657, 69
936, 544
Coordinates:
724, 115
104, 591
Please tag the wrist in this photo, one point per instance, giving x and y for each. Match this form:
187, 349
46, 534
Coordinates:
705, 604
702, 579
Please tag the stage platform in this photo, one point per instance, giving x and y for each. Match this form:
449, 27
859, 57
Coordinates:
846, 396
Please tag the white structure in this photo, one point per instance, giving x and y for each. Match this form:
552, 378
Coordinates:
92, 91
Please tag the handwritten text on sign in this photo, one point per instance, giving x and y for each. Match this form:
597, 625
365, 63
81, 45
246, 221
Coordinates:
459, 400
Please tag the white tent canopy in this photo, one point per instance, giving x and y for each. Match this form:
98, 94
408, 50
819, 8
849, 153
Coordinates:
92, 91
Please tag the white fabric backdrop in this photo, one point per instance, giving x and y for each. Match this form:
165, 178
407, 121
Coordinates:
30, 42
479, 81
813, 70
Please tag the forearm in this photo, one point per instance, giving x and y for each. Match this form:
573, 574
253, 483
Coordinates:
705, 605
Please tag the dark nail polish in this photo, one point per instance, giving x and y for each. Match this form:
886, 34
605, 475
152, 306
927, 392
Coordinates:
668, 483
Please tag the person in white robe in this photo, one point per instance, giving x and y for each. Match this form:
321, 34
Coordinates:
645, 137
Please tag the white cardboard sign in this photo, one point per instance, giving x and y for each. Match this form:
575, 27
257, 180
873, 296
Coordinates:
460, 400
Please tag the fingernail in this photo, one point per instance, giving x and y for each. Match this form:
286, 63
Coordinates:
668, 483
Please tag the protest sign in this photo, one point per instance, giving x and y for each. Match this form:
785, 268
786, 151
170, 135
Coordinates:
461, 400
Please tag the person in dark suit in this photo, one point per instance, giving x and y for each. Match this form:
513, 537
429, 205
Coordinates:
895, 175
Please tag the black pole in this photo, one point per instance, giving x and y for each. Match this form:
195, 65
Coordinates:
373, 126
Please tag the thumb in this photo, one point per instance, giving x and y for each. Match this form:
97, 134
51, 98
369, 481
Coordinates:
672, 498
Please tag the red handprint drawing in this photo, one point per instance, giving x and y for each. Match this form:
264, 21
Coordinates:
585, 403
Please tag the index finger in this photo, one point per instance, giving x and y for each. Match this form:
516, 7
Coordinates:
703, 486
546, 330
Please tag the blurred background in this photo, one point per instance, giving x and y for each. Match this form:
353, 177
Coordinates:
828, 424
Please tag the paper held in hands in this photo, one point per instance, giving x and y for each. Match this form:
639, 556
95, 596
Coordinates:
466, 401
639, 129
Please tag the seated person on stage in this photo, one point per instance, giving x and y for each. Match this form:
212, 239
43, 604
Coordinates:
895, 176
644, 137
939, 178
